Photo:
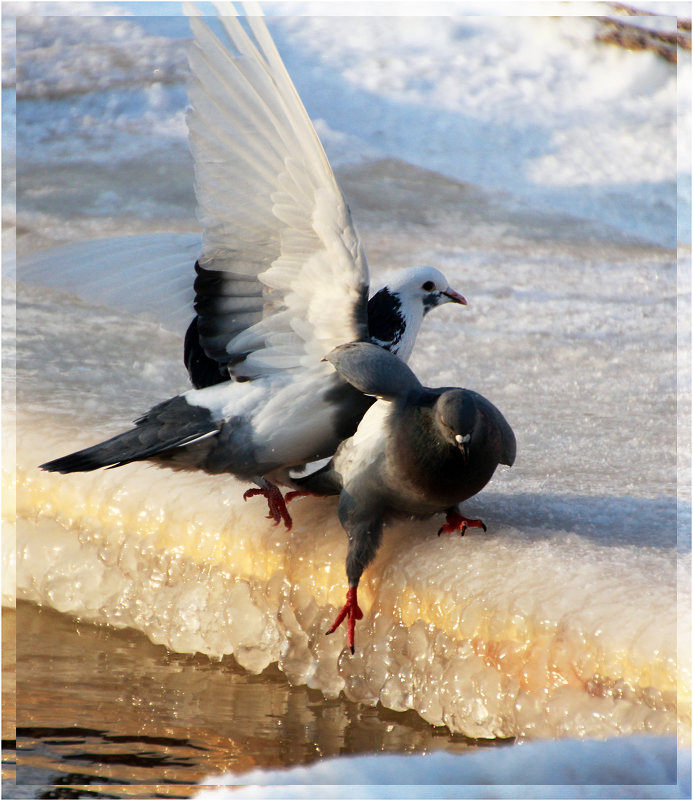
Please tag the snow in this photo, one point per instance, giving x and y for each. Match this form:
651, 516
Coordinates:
568, 769
538, 169
534, 107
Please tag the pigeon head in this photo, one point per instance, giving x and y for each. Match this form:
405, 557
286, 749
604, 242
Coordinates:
396, 311
432, 288
425, 286
458, 419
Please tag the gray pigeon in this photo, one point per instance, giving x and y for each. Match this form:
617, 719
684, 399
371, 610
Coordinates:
282, 280
417, 451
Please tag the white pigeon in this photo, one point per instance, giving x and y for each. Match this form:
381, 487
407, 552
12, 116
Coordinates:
281, 281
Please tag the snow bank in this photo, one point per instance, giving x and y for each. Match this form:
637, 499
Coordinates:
636, 767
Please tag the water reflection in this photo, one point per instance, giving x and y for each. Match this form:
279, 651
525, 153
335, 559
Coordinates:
103, 708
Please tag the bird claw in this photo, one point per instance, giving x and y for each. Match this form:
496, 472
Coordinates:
275, 502
454, 521
290, 496
350, 608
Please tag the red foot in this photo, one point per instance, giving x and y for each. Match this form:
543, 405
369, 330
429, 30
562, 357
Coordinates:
275, 502
290, 496
457, 522
350, 608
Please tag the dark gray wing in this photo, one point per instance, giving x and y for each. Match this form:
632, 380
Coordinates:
375, 371
170, 424
282, 278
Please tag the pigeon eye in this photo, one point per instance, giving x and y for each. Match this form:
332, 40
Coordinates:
428, 286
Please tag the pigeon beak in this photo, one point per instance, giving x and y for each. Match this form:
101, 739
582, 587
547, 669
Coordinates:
463, 444
455, 297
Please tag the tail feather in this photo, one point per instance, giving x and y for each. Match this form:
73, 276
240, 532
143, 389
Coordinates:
170, 424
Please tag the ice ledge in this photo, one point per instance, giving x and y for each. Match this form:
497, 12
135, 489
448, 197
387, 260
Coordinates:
512, 634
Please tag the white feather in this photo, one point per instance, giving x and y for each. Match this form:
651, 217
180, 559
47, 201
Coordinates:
148, 275
262, 178
359, 452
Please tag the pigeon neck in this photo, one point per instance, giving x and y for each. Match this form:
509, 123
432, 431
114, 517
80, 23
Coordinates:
393, 323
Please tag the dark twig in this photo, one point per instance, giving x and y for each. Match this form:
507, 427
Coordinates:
634, 37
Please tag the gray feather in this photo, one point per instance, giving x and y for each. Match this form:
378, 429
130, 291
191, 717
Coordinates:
374, 371
171, 424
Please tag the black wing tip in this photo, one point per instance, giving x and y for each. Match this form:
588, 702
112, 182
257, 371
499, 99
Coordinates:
72, 463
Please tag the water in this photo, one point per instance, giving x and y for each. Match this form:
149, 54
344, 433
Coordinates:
570, 618
163, 721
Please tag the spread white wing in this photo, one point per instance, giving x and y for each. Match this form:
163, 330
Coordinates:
145, 274
283, 278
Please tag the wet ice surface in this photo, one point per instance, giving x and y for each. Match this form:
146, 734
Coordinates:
562, 620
